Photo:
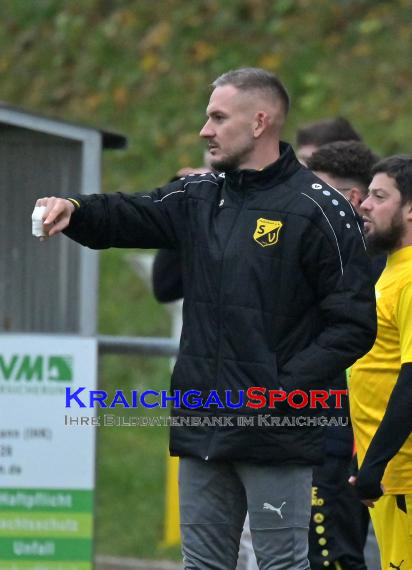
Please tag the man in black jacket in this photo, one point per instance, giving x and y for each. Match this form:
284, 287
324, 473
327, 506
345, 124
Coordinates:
278, 296
347, 166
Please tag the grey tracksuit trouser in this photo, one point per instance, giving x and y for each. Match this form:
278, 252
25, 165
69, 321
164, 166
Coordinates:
214, 498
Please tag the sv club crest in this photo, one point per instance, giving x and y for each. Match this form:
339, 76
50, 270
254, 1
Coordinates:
267, 231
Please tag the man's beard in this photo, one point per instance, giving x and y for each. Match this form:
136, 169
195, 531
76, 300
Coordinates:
225, 164
231, 162
388, 240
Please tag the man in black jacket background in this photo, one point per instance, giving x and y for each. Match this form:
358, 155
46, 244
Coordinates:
278, 295
347, 166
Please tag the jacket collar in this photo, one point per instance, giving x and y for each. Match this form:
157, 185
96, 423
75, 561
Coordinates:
277, 172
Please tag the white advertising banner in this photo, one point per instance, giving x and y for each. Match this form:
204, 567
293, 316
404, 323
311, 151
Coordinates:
46, 466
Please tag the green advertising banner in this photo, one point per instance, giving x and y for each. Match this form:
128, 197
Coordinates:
46, 466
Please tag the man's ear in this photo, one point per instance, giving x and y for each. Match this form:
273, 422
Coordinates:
355, 197
261, 122
408, 208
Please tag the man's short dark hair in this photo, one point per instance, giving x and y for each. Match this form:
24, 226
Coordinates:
398, 167
254, 78
345, 159
326, 131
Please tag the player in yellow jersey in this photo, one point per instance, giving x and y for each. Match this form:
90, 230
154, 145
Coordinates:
380, 386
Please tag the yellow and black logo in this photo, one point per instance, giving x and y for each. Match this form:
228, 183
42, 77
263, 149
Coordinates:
267, 232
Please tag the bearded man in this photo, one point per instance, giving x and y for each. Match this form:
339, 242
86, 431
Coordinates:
380, 386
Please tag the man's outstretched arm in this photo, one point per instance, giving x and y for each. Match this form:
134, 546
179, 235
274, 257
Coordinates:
100, 221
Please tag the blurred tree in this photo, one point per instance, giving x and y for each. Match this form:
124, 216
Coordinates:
144, 67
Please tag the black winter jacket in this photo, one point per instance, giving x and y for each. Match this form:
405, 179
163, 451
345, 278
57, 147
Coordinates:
278, 294
167, 278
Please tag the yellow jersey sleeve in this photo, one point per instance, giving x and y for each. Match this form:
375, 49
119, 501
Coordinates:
404, 320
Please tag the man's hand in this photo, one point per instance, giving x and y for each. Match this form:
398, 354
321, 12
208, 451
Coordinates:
368, 502
189, 170
57, 214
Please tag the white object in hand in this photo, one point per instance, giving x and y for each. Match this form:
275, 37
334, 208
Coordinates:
37, 221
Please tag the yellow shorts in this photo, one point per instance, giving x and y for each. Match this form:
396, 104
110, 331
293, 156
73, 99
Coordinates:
392, 522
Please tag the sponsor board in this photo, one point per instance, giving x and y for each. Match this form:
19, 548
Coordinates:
46, 470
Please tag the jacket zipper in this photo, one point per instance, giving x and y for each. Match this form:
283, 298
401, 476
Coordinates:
219, 351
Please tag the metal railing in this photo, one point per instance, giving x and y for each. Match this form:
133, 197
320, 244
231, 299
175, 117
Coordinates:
138, 345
